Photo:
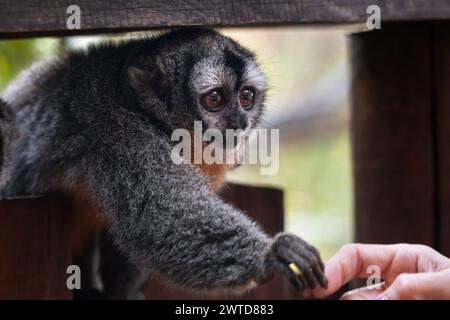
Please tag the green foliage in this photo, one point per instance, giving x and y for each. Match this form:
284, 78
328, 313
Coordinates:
15, 55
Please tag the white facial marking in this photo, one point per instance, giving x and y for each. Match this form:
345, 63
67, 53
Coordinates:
254, 76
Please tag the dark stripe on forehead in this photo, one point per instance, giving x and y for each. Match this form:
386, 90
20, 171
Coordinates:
189, 62
237, 64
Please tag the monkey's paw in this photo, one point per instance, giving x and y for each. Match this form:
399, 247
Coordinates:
298, 260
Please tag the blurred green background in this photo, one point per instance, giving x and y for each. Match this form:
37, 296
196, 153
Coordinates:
307, 101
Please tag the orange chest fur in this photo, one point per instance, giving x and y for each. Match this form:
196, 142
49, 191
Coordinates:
216, 174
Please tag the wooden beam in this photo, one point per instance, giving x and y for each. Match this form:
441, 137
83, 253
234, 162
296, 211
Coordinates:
48, 17
393, 133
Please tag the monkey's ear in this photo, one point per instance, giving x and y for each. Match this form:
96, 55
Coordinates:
137, 77
147, 78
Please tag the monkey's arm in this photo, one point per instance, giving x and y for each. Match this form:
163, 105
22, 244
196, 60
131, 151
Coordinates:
164, 217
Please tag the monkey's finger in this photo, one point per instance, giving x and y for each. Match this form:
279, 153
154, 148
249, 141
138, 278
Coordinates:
317, 265
304, 270
302, 279
321, 278
315, 272
294, 253
316, 254
298, 283
311, 252
308, 274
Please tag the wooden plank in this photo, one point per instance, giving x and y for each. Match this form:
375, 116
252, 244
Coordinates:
35, 248
48, 17
265, 205
441, 74
393, 135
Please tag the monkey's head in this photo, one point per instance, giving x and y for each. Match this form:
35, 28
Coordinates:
197, 74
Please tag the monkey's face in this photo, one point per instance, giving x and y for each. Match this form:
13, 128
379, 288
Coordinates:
200, 75
227, 91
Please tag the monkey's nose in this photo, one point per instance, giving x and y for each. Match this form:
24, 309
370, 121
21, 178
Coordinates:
238, 122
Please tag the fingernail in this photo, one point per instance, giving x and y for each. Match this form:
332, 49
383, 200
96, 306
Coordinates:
382, 297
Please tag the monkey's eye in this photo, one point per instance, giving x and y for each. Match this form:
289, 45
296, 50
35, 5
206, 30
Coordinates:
213, 100
246, 98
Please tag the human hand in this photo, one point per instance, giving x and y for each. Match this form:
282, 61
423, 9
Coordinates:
409, 272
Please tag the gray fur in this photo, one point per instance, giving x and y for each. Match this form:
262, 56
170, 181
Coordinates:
7, 136
105, 117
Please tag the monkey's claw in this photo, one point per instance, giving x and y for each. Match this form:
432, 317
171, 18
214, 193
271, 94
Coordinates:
298, 260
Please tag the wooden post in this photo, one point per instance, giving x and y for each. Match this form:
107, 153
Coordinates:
441, 77
35, 248
393, 135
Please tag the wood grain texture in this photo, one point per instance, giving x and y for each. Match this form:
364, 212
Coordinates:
35, 248
393, 135
48, 17
441, 79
